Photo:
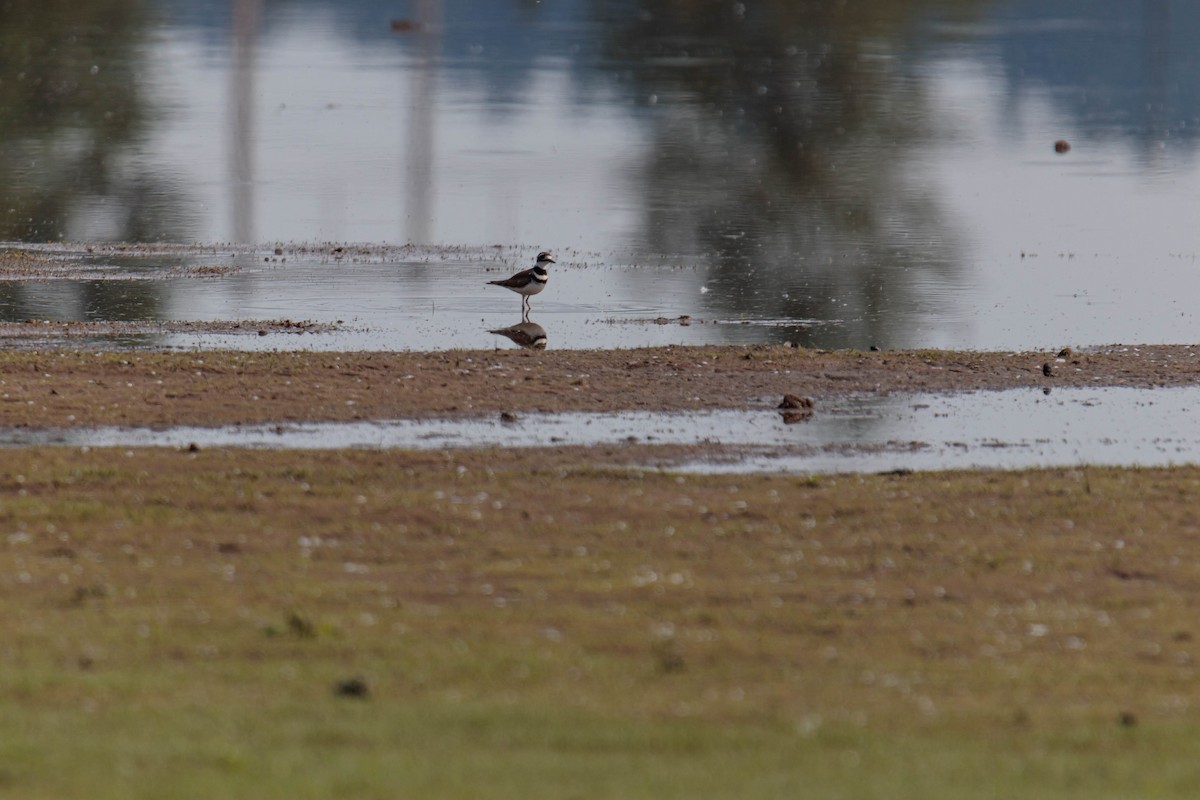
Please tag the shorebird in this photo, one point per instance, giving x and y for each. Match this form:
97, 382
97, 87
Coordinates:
530, 281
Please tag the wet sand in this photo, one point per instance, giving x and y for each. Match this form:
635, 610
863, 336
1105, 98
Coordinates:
74, 387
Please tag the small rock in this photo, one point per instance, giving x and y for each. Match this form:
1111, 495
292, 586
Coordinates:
1066, 352
508, 418
352, 687
1062, 146
1047, 370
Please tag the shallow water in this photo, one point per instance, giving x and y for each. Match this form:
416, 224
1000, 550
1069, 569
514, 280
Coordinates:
1008, 429
883, 174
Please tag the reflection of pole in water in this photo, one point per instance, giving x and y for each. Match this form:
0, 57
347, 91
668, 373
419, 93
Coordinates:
247, 17
423, 98
1156, 19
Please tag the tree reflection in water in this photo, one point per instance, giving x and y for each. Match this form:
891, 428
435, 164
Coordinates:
73, 111
783, 134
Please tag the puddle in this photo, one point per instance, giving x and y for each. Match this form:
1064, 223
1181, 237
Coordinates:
1008, 429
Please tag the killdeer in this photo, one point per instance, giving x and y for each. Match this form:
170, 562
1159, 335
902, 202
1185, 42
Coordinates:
530, 281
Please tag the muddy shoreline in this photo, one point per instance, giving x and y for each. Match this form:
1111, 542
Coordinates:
76, 387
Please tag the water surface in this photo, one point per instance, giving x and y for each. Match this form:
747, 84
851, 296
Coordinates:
1017, 428
876, 173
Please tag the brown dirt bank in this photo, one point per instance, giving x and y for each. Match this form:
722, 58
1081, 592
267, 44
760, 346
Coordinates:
82, 387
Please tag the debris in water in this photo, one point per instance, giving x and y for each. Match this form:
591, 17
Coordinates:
796, 408
796, 402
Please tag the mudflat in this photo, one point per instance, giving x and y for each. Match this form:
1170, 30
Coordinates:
69, 387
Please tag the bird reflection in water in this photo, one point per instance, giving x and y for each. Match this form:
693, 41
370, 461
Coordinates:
527, 334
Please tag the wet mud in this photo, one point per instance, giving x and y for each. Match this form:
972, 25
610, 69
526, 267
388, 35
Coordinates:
69, 387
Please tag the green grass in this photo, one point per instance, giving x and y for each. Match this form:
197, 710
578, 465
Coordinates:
175, 624
321, 747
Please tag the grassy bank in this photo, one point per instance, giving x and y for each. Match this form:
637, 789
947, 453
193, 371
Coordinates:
382, 624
